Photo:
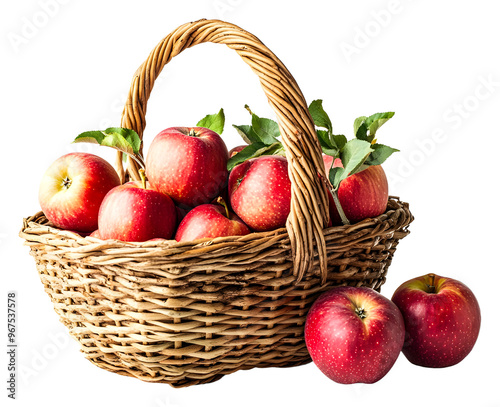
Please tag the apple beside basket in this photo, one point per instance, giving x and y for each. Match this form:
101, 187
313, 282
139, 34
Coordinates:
191, 312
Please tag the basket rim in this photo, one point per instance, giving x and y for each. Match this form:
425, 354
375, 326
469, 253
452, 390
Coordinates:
38, 224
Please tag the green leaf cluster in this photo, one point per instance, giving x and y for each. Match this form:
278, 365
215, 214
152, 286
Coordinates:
262, 136
262, 139
355, 154
125, 140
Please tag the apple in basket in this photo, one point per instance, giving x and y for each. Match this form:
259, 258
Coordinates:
210, 220
260, 192
361, 195
72, 189
135, 212
356, 177
442, 319
188, 163
354, 334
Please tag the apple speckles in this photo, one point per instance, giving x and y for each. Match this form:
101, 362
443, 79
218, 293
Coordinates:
350, 349
442, 326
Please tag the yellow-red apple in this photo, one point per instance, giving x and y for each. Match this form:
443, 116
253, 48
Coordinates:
72, 189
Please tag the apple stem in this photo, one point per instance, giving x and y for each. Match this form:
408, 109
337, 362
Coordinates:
142, 173
341, 212
248, 108
221, 201
432, 287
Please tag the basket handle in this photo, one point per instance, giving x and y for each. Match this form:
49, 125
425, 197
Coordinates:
309, 204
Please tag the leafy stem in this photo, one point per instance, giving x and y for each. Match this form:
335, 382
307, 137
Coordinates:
262, 139
139, 160
355, 154
249, 110
341, 212
125, 140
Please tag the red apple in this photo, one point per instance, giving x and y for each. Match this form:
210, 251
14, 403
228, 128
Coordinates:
210, 220
354, 334
95, 233
72, 189
442, 319
133, 213
260, 192
361, 195
188, 163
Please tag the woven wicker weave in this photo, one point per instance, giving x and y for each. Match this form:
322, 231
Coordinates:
189, 313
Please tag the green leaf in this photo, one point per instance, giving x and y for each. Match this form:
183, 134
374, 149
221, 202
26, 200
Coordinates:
319, 116
334, 152
335, 176
245, 154
255, 150
324, 139
267, 130
340, 140
331, 144
247, 134
360, 128
124, 140
366, 127
353, 155
375, 121
380, 154
214, 122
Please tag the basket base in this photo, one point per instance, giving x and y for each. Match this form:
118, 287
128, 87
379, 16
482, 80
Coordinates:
201, 378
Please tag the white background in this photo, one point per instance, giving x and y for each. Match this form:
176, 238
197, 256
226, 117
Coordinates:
67, 69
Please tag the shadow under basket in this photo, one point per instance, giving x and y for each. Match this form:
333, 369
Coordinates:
191, 312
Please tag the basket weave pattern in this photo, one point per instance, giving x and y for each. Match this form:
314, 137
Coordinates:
191, 312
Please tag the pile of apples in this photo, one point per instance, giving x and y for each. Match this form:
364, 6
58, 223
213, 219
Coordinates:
187, 180
355, 334
192, 187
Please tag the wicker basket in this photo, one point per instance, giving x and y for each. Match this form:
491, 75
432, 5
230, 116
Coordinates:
190, 313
